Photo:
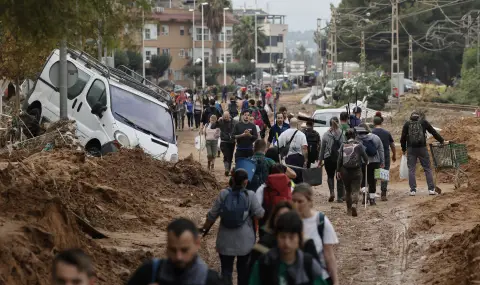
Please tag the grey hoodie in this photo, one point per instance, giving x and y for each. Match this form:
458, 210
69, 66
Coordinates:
380, 156
327, 142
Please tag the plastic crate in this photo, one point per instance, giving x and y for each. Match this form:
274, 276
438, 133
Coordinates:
449, 155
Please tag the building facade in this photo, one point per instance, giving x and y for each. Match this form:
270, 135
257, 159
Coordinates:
171, 31
275, 29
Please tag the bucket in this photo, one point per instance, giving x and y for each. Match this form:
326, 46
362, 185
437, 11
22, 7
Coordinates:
248, 165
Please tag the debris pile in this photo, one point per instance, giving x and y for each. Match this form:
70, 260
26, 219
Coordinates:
61, 198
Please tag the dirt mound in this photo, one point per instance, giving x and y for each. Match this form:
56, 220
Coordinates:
61, 198
454, 261
466, 131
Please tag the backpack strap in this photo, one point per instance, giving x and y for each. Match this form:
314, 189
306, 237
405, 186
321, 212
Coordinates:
155, 267
308, 267
321, 224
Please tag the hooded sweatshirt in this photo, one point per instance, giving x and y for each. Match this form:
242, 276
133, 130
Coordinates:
327, 142
380, 155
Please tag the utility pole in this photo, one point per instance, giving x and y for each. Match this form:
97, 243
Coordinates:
319, 60
469, 29
332, 43
362, 54
410, 57
395, 67
62, 81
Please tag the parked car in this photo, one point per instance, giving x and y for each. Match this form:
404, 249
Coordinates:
411, 86
325, 115
108, 105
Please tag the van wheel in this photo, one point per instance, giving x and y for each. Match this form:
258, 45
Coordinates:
93, 148
36, 113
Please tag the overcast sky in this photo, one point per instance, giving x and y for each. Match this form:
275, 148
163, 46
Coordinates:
301, 14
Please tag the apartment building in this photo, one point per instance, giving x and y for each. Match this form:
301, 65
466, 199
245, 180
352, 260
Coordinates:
275, 29
170, 31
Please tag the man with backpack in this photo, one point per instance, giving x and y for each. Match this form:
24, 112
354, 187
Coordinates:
414, 145
294, 148
349, 170
265, 119
376, 159
329, 152
262, 165
236, 207
209, 111
314, 142
278, 128
232, 107
246, 134
355, 117
388, 143
182, 266
227, 140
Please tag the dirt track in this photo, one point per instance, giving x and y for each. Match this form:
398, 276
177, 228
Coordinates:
131, 198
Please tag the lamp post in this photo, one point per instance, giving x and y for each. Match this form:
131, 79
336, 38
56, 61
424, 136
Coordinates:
224, 48
143, 44
256, 50
193, 41
203, 49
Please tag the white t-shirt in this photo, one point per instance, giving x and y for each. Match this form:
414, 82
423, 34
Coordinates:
310, 231
298, 141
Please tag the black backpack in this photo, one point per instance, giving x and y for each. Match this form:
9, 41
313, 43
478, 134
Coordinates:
313, 140
233, 109
335, 150
416, 134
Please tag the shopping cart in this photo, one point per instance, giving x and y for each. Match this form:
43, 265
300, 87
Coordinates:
448, 157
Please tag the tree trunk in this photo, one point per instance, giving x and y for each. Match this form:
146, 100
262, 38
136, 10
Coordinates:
214, 49
17, 97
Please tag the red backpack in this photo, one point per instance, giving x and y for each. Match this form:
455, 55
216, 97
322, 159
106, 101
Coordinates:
278, 188
257, 119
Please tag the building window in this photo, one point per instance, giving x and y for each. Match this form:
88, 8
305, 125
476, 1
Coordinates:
206, 57
182, 30
280, 38
164, 30
148, 55
147, 34
178, 75
205, 31
165, 51
181, 53
229, 58
229, 35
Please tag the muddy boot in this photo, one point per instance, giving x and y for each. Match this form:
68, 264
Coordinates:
372, 199
384, 196
212, 165
209, 163
349, 211
331, 187
354, 210
226, 165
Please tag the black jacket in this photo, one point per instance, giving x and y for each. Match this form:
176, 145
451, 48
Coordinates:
209, 111
426, 127
226, 130
197, 274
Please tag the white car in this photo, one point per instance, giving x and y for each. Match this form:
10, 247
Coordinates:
325, 115
108, 105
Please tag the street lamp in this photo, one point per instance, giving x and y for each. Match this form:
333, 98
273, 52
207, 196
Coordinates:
256, 49
193, 39
203, 49
220, 61
224, 48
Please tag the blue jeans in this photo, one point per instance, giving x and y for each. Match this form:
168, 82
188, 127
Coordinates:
226, 262
384, 184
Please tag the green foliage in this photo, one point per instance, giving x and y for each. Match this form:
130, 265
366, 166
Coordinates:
159, 64
121, 58
469, 59
236, 70
375, 88
134, 60
243, 42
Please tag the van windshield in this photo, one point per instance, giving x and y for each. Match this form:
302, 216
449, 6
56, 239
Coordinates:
324, 117
147, 116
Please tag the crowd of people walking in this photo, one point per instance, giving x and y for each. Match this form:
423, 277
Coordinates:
269, 228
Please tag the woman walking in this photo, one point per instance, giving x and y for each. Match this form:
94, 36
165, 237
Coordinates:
318, 228
236, 207
189, 106
332, 140
197, 112
212, 133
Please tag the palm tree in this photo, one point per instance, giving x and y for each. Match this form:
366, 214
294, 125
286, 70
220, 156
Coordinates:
243, 43
214, 21
301, 50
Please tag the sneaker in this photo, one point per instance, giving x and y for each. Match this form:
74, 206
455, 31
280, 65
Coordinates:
413, 192
432, 192
372, 202
354, 212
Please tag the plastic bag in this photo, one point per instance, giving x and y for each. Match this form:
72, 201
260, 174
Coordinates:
200, 142
267, 109
403, 168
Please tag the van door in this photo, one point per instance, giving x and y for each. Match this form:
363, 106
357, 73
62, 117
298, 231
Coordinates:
89, 125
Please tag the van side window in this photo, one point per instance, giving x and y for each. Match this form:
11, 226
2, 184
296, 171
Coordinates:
76, 89
322, 117
97, 94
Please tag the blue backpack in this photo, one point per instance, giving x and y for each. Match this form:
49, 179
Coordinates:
260, 175
370, 147
234, 208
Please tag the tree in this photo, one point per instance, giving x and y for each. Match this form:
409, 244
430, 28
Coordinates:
121, 58
238, 69
214, 21
243, 43
134, 60
159, 64
193, 71
301, 50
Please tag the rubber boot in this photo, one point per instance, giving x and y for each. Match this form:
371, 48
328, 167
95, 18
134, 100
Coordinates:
212, 165
331, 187
209, 163
226, 165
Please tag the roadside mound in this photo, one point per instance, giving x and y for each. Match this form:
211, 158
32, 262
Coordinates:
59, 199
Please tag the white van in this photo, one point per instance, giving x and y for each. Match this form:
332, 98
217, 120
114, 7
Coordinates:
325, 115
108, 105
